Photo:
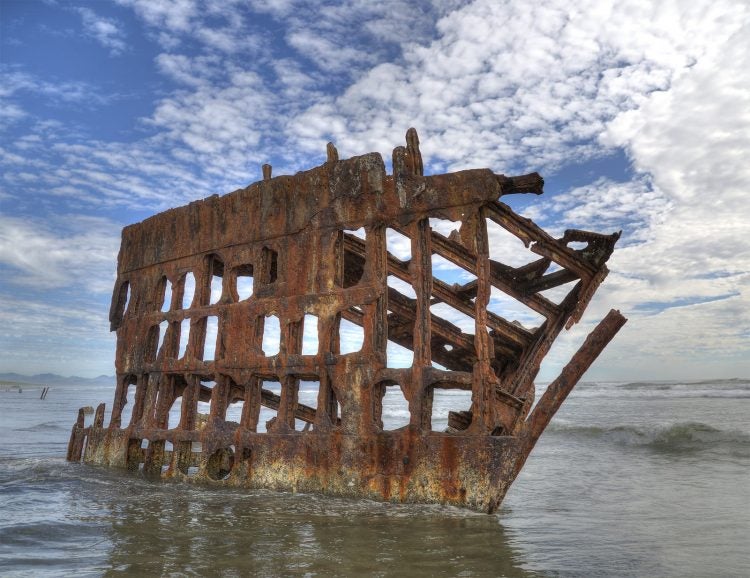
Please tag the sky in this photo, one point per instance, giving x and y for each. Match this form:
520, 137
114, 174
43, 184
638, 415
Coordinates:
636, 112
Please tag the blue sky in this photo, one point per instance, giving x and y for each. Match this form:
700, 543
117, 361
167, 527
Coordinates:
637, 114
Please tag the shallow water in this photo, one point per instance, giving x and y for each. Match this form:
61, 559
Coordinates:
639, 479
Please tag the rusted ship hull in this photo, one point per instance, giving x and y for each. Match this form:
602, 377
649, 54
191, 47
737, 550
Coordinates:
397, 466
295, 238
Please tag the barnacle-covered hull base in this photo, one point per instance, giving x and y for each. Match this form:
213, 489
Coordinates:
316, 285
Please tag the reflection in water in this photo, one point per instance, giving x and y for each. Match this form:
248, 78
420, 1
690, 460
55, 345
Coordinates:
174, 528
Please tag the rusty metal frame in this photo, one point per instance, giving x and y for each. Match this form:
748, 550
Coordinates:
294, 236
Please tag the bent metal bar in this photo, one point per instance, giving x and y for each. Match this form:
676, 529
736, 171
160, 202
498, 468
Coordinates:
316, 248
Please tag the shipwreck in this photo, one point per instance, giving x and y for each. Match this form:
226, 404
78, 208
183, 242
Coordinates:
315, 247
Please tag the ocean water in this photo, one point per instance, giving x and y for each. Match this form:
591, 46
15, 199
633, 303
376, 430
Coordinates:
630, 479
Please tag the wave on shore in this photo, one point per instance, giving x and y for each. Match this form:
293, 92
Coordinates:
677, 437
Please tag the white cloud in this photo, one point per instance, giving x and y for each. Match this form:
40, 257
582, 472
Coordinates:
326, 53
691, 214
39, 320
105, 31
217, 121
60, 168
10, 113
178, 20
174, 16
606, 206
702, 340
78, 250
16, 85
513, 85
693, 140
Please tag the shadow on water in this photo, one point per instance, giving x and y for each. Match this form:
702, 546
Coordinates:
171, 528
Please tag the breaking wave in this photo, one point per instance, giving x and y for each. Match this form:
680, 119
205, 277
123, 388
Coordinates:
720, 388
678, 437
737, 384
646, 385
48, 426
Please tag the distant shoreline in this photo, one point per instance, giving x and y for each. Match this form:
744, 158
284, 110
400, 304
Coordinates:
53, 380
4, 383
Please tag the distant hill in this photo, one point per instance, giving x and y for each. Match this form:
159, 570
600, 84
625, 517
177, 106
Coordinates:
54, 379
